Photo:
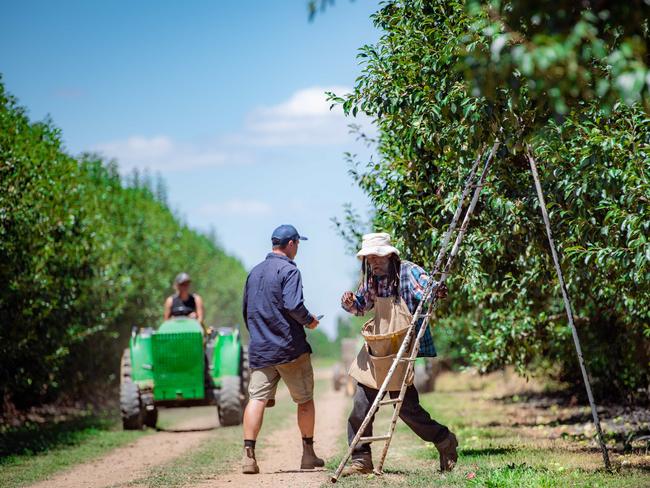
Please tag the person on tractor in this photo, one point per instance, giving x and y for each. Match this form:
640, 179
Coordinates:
393, 288
184, 303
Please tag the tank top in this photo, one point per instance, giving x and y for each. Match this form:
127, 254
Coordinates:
181, 308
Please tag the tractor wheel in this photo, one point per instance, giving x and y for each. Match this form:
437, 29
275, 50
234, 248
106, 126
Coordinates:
151, 418
245, 373
130, 403
130, 406
230, 405
125, 365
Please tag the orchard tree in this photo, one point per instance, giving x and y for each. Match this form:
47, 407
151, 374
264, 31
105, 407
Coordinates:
447, 79
83, 258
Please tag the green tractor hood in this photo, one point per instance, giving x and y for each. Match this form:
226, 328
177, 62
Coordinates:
177, 353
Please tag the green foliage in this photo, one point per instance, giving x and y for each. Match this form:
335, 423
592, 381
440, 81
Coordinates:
83, 258
32, 438
504, 303
561, 53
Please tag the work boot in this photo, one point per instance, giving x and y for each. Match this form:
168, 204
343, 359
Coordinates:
448, 454
361, 464
309, 458
249, 463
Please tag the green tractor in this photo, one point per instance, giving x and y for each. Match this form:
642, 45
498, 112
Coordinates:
174, 367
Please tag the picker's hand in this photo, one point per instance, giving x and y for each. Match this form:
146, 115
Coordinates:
313, 324
347, 300
442, 291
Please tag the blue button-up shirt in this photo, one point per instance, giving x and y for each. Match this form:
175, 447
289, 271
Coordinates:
275, 313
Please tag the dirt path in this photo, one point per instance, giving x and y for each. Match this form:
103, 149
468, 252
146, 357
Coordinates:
135, 460
279, 454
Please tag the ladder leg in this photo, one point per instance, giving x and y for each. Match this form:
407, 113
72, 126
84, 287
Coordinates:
434, 302
568, 308
459, 208
393, 420
371, 413
468, 214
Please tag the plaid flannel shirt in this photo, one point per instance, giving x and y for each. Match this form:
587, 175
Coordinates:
413, 281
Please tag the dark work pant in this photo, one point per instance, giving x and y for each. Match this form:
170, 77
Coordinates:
412, 413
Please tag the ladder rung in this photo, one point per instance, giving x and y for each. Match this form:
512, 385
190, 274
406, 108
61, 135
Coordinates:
374, 438
408, 360
392, 401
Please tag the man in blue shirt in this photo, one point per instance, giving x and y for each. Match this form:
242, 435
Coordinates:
276, 317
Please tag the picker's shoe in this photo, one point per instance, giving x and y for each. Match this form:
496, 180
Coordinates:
249, 463
309, 458
448, 454
362, 464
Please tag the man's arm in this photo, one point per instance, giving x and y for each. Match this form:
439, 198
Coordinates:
293, 300
168, 308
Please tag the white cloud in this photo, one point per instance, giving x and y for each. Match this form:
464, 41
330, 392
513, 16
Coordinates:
236, 207
161, 153
304, 119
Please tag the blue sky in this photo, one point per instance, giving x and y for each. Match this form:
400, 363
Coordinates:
224, 99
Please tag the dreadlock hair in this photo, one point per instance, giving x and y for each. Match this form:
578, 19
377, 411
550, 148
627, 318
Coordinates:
369, 281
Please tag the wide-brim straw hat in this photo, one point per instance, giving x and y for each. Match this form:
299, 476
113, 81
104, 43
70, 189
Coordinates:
376, 244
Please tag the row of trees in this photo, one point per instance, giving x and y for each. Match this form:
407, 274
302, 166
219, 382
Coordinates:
567, 82
84, 256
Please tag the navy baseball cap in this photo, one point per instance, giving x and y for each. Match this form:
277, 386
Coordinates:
286, 233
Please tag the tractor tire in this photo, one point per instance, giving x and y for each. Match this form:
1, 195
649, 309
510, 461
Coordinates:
151, 418
125, 365
131, 406
230, 406
245, 373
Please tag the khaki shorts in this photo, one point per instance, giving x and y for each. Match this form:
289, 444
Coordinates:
298, 375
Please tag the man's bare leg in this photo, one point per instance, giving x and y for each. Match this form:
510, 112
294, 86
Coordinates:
253, 418
306, 420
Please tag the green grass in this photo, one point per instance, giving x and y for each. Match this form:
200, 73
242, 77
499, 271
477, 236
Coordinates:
35, 452
493, 453
212, 457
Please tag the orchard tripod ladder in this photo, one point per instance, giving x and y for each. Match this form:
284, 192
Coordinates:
408, 351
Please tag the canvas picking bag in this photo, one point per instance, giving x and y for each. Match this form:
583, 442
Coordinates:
383, 336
